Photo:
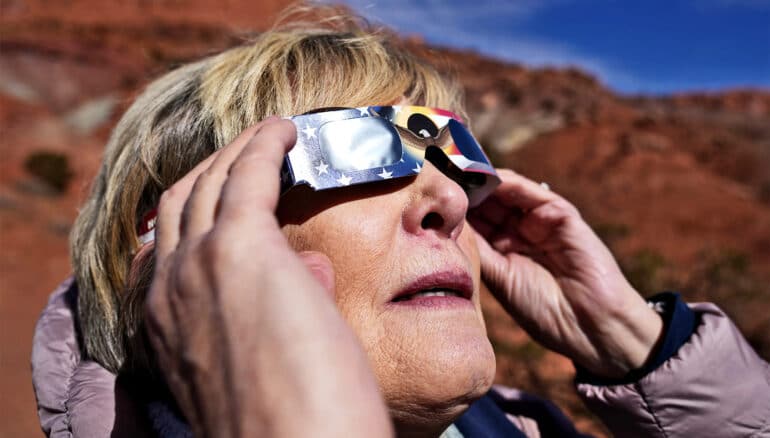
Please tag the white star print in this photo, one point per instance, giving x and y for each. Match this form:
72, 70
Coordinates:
321, 168
364, 111
385, 174
309, 132
344, 180
417, 169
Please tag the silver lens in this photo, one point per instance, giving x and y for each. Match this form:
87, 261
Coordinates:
360, 144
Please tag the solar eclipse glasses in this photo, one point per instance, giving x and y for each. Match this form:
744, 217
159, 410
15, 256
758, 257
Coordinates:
343, 147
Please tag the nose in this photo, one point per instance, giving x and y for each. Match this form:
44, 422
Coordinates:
438, 205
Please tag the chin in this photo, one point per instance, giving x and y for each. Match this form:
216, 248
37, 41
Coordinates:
434, 371
436, 395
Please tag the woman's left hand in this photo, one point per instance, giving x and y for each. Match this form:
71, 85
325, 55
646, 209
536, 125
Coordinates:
559, 281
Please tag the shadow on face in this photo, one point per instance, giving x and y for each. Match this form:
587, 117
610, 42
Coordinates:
302, 202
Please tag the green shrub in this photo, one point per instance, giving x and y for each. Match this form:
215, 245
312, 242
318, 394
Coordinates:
50, 167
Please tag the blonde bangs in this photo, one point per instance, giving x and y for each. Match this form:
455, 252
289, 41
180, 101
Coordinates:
302, 67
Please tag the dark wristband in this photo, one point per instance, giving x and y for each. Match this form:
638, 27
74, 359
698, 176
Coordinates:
679, 324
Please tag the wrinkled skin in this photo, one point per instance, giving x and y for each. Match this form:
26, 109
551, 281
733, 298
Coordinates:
430, 363
305, 314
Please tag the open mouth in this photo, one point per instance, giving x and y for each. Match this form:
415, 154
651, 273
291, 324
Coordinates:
433, 292
443, 285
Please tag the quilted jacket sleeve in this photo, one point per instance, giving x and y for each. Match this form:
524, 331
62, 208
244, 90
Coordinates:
75, 397
55, 356
714, 386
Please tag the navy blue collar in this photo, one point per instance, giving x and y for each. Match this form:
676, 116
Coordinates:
487, 418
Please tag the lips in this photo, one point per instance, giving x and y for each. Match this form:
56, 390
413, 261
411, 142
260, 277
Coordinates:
448, 284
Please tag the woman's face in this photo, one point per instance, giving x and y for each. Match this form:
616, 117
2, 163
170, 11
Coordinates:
407, 281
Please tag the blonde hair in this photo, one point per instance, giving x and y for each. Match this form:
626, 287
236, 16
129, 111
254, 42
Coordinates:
335, 60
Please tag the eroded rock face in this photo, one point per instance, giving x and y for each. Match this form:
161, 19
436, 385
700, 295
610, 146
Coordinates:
679, 186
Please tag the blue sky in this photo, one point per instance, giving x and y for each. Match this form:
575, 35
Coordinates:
633, 46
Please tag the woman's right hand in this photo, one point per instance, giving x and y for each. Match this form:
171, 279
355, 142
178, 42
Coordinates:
245, 330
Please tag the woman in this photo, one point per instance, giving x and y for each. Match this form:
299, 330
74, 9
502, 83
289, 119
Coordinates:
352, 311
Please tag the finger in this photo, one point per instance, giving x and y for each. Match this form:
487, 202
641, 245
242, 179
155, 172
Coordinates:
503, 239
321, 268
161, 327
540, 223
167, 223
518, 191
492, 264
493, 211
511, 242
164, 337
159, 322
487, 254
496, 269
171, 205
167, 228
482, 226
252, 188
199, 210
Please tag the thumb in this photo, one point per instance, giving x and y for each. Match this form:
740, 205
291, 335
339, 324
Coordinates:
492, 262
496, 271
321, 267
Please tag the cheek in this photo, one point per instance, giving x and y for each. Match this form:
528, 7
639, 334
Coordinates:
360, 247
358, 244
410, 355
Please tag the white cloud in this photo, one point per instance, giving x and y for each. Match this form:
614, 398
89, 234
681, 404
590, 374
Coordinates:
477, 25
418, 13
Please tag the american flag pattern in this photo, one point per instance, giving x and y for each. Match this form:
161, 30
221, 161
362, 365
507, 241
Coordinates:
307, 164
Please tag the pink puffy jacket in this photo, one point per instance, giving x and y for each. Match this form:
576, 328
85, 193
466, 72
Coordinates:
714, 386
